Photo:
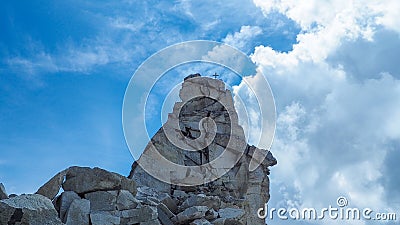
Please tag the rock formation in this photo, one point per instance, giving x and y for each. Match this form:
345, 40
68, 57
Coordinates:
225, 193
239, 192
3, 193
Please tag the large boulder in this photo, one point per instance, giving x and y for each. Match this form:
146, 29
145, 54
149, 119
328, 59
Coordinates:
30, 209
104, 218
78, 212
63, 203
139, 215
84, 180
102, 200
51, 188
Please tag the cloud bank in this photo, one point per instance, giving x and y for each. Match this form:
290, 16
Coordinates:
338, 103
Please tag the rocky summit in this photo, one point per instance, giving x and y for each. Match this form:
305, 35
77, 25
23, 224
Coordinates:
194, 170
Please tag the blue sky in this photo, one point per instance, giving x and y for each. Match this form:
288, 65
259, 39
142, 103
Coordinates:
332, 66
65, 67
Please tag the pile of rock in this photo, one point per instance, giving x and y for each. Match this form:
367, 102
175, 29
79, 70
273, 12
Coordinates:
93, 196
98, 197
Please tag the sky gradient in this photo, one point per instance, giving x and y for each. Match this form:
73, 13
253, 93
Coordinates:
332, 66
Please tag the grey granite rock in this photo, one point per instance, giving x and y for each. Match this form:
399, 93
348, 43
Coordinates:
3, 193
102, 200
64, 201
231, 213
105, 218
152, 222
78, 212
164, 215
125, 200
190, 214
200, 222
202, 200
52, 187
29, 209
84, 179
139, 215
224, 221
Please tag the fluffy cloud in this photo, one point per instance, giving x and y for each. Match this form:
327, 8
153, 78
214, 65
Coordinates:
243, 37
325, 24
337, 96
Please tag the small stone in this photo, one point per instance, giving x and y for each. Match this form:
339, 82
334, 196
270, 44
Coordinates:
164, 215
190, 214
126, 200
180, 194
165, 209
3, 193
102, 200
78, 212
224, 221
202, 200
192, 76
139, 215
211, 214
30, 209
200, 222
104, 218
152, 222
169, 202
144, 192
150, 201
64, 202
231, 213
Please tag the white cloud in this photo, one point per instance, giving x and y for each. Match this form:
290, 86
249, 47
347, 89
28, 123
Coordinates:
125, 23
96, 53
389, 13
337, 146
334, 132
325, 24
324, 13
243, 37
40, 61
72, 58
